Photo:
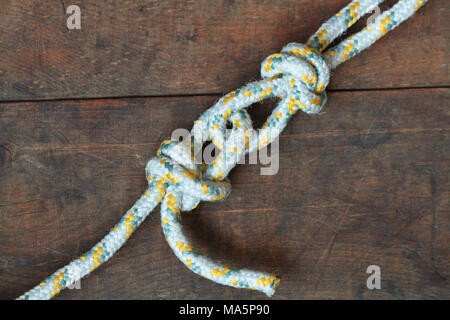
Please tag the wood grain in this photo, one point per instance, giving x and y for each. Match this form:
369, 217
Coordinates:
153, 48
366, 183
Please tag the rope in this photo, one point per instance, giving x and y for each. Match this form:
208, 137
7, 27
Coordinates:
298, 76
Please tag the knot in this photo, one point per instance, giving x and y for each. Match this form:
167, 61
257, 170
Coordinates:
298, 75
308, 75
174, 169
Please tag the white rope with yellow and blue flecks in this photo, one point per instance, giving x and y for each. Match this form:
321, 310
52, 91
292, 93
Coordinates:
298, 75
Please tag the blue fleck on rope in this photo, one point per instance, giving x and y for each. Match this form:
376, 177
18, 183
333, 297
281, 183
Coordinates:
298, 75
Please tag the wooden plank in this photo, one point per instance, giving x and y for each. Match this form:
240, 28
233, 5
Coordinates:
366, 183
147, 48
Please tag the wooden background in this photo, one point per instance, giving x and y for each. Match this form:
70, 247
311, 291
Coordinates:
82, 111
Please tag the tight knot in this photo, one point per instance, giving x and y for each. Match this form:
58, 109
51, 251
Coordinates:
308, 75
174, 170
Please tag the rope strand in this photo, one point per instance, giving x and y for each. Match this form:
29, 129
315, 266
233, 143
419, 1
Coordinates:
298, 75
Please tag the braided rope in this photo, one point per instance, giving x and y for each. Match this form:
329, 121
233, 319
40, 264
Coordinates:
298, 75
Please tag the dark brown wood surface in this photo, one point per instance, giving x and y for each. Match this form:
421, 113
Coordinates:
364, 184
142, 48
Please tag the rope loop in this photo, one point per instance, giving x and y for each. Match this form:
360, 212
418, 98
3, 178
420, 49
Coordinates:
298, 76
